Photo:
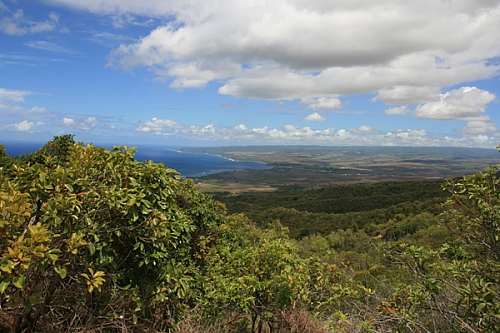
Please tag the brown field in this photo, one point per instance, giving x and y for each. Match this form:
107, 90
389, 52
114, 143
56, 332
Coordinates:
234, 188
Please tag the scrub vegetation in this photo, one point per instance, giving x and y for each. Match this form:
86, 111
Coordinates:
92, 240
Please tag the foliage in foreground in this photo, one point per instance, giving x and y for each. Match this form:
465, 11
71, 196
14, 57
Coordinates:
100, 239
93, 240
458, 285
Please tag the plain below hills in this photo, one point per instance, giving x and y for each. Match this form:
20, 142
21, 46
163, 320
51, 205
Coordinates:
302, 167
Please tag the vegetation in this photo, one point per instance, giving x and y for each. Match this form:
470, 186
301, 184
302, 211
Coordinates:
92, 240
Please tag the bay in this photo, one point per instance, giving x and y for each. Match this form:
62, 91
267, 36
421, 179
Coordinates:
187, 164
194, 164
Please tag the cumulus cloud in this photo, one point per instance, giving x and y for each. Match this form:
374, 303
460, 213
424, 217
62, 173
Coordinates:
316, 52
407, 94
157, 125
479, 127
364, 130
315, 117
68, 121
88, 123
362, 135
24, 126
405, 137
410, 133
84, 124
290, 49
465, 104
38, 109
400, 110
322, 103
292, 134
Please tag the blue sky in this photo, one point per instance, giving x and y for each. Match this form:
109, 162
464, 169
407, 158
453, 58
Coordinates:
234, 72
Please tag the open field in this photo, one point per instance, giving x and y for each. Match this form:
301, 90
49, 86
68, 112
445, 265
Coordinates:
300, 167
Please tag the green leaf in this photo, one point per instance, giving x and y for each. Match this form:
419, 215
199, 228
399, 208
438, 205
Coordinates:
7, 266
91, 248
62, 272
19, 281
69, 187
480, 306
3, 285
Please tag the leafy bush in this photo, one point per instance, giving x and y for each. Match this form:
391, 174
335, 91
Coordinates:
93, 238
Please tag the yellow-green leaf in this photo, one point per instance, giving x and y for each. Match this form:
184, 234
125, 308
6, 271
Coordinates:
19, 281
3, 285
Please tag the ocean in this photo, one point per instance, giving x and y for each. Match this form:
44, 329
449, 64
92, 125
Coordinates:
187, 164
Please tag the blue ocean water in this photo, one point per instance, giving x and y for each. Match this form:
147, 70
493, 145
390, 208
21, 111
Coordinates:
194, 164
188, 164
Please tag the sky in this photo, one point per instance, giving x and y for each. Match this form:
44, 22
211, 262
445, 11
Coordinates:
251, 72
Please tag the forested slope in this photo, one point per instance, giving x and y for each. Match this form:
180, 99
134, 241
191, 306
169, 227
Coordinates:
338, 199
323, 210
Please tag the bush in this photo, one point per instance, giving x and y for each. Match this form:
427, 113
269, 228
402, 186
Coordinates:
93, 238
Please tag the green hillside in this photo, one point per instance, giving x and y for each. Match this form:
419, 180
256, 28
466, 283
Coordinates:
92, 240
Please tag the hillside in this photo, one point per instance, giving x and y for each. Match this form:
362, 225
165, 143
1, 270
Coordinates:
93, 240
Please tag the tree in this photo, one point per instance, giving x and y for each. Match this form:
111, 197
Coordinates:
93, 238
57, 148
458, 284
254, 272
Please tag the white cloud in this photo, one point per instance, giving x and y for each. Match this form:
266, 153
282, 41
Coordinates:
14, 95
157, 125
464, 104
38, 109
400, 110
11, 101
322, 103
407, 95
402, 52
24, 126
480, 140
290, 49
16, 24
315, 117
411, 133
405, 137
293, 134
84, 124
88, 123
48, 46
68, 121
479, 127
364, 130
